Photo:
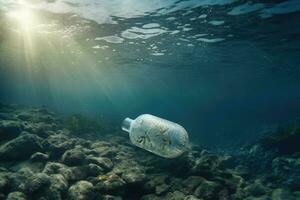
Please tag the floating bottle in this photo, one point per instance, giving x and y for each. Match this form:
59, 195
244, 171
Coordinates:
157, 135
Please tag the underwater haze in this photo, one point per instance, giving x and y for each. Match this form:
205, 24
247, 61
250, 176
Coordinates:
226, 70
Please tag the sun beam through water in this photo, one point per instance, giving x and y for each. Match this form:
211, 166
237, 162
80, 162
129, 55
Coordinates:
22, 17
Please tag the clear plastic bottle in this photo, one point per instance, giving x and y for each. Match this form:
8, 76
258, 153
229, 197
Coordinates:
157, 135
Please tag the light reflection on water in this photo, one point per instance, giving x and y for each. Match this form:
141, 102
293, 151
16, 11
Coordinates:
212, 65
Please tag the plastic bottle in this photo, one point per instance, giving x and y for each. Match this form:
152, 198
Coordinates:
157, 135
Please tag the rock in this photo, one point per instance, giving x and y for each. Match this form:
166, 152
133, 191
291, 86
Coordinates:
103, 162
256, 189
58, 188
7, 116
25, 116
284, 140
20, 148
155, 181
4, 182
9, 129
39, 157
176, 195
110, 169
69, 173
110, 183
37, 183
40, 128
160, 189
58, 168
191, 197
134, 176
287, 171
110, 197
94, 170
282, 194
296, 194
78, 173
150, 197
104, 149
206, 165
18, 180
191, 183
73, 157
16, 196
81, 190
59, 182
264, 197
207, 190
57, 144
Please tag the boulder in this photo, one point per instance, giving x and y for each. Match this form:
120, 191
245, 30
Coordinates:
16, 196
9, 129
176, 195
37, 183
73, 157
69, 173
134, 175
58, 168
81, 190
57, 144
207, 190
58, 188
103, 162
39, 157
18, 180
4, 182
110, 197
150, 197
161, 189
94, 170
191, 197
110, 183
20, 148
282, 194
191, 183
284, 140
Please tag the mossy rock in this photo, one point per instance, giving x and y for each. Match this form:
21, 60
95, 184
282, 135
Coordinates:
285, 140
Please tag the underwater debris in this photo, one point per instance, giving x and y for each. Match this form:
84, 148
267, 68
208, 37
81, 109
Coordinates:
157, 135
65, 166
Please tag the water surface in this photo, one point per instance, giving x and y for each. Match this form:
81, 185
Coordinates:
224, 69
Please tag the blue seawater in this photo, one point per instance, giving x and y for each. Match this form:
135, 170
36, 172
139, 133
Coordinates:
225, 69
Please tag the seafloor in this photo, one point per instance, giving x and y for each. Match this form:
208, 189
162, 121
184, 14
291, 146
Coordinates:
45, 157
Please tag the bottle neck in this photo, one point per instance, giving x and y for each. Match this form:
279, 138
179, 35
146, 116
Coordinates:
126, 124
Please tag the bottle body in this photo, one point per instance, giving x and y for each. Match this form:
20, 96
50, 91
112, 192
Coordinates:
157, 135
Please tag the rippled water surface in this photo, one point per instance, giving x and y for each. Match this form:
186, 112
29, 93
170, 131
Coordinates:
224, 69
